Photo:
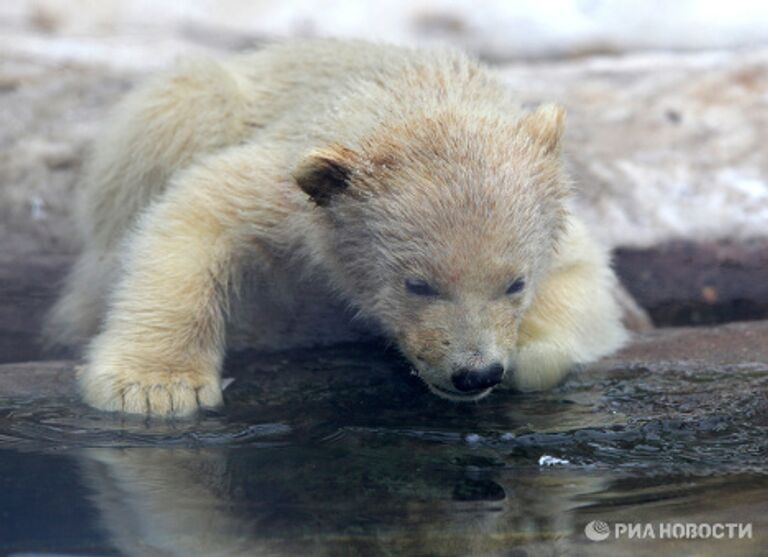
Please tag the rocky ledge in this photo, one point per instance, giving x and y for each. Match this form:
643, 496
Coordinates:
736, 347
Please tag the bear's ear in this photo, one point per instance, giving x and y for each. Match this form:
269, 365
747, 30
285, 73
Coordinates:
545, 126
325, 173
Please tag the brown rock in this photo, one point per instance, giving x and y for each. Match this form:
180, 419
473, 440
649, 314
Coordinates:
686, 283
37, 379
732, 344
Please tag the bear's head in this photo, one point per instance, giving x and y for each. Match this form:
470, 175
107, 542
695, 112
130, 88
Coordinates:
441, 229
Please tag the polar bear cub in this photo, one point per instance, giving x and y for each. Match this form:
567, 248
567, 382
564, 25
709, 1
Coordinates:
410, 182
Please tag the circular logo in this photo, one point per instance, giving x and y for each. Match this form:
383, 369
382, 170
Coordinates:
597, 530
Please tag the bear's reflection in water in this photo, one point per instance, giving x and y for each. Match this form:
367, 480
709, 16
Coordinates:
361, 460
210, 502
285, 501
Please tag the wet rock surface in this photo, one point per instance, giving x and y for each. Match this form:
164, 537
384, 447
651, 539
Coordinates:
727, 364
342, 451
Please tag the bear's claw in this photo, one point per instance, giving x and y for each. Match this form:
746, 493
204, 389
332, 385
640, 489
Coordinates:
158, 395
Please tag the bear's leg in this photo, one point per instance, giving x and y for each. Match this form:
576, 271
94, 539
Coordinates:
574, 319
162, 344
180, 115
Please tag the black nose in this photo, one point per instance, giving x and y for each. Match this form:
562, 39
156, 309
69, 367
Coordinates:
467, 380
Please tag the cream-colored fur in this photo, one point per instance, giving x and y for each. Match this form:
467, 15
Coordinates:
363, 166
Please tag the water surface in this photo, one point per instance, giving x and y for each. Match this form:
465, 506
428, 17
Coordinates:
341, 452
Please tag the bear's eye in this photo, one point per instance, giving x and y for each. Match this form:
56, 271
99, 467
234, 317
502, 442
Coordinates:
516, 286
420, 287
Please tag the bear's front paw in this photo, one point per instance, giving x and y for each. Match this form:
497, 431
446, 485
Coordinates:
150, 391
